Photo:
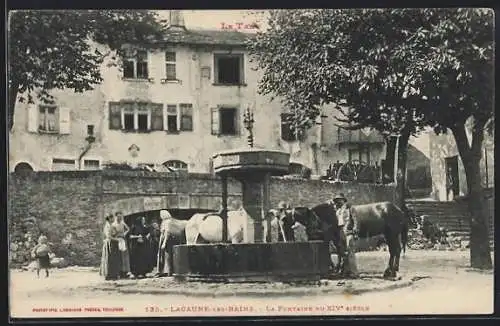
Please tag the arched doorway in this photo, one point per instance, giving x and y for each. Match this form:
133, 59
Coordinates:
23, 168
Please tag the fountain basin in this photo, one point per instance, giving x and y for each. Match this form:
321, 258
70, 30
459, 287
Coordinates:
252, 262
251, 160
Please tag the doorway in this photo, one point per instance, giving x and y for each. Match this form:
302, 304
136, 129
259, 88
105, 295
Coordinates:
452, 178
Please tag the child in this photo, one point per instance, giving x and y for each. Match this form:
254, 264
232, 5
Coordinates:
41, 253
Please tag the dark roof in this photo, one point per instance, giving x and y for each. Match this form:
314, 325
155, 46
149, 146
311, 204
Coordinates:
206, 37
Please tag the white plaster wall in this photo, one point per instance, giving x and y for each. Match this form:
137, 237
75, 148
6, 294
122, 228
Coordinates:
193, 147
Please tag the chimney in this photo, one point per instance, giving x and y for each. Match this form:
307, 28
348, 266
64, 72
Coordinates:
176, 19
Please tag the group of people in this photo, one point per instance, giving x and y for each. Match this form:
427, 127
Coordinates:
141, 249
133, 251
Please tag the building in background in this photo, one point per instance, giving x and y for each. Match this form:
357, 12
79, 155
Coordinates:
173, 104
447, 170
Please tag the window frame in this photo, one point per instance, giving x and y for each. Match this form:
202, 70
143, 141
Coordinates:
297, 134
242, 75
169, 62
135, 111
186, 169
63, 158
235, 120
85, 159
46, 107
179, 115
134, 58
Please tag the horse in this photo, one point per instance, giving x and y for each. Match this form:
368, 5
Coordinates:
381, 218
207, 227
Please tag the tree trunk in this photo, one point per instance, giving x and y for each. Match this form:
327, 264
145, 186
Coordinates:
389, 160
402, 153
480, 254
13, 89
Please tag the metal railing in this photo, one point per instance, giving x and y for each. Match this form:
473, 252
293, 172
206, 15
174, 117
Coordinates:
357, 136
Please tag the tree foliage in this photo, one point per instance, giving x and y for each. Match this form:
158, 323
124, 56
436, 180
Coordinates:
397, 70
51, 49
389, 66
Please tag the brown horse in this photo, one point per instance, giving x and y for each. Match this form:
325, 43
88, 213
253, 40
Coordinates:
383, 218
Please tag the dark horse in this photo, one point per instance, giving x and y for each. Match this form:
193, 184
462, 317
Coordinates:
383, 218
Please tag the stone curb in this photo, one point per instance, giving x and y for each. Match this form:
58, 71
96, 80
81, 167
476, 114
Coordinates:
346, 290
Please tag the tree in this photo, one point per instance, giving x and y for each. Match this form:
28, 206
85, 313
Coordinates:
51, 49
315, 57
397, 70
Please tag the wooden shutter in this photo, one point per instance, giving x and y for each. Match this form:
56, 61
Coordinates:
237, 121
115, 116
157, 117
242, 69
215, 121
186, 117
64, 121
32, 114
216, 69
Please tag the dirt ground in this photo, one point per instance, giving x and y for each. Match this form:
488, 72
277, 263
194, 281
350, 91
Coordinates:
446, 286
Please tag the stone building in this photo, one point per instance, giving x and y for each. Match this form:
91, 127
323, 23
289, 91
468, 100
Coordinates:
447, 169
175, 103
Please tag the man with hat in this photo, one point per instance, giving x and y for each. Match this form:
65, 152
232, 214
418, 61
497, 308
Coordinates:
284, 223
347, 226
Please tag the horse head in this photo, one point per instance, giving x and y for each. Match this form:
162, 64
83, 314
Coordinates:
326, 213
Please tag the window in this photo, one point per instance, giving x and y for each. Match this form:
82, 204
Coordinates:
170, 66
186, 117
60, 164
361, 154
135, 65
179, 117
172, 118
47, 118
288, 131
176, 165
228, 69
225, 121
91, 165
135, 116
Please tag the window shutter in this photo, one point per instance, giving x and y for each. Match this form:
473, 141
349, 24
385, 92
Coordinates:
157, 117
237, 122
215, 121
242, 69
32, 114
64, 121
186, 117
216, 69
115, 116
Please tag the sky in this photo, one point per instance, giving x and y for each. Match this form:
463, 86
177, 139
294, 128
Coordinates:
213, 19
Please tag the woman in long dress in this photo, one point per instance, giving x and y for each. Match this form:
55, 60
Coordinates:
140, 259
122, 231
110, 260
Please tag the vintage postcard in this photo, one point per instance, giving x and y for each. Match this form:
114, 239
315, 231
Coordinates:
192, 163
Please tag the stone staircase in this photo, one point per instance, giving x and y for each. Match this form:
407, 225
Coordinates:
453, 216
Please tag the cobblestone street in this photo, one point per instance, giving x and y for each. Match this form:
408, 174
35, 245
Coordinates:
80, 292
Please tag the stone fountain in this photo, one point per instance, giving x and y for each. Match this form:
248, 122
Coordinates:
256, 259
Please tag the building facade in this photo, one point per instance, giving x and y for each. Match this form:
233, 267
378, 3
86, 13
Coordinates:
174, 104
447, 170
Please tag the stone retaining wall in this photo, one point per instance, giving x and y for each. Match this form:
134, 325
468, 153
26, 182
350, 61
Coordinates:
69, 206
